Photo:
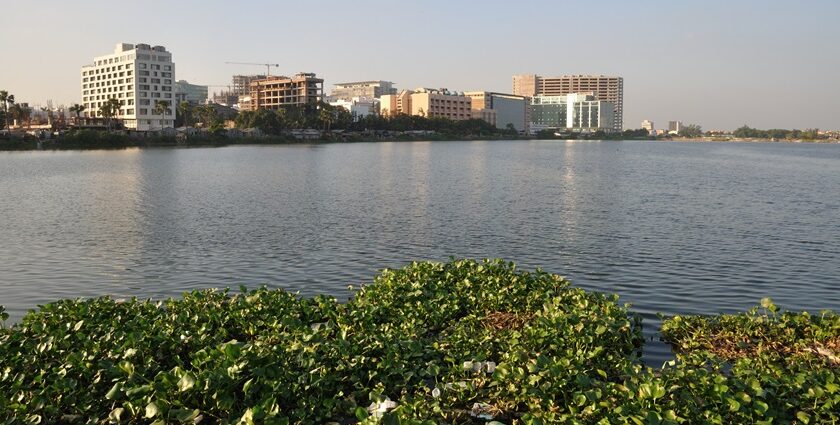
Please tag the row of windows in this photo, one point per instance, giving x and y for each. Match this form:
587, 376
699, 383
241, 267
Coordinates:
107, 77
111, 89
124, 58
154, 66
129, 96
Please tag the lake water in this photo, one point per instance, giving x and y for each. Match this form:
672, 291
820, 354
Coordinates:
690, 228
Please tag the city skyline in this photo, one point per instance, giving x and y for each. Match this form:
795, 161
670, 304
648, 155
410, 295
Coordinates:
716, 64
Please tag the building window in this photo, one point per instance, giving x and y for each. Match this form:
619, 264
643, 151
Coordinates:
144, 111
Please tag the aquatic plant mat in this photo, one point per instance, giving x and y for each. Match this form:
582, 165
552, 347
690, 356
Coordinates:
458, 342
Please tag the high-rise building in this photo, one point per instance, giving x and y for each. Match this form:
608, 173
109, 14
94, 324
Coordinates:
428, 103
647, 125
674, 126
605, 88
278, 91
138, 76
508, 109
362, 90
192, 93
579, 112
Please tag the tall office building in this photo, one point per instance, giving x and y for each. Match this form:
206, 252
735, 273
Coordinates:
606, 88
138, 76
674, 126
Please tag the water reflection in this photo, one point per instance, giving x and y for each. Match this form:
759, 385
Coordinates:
671, 227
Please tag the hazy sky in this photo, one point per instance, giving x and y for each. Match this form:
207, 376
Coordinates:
720, 64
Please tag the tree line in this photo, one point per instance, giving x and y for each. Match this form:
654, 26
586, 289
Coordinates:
748, 132
327, 117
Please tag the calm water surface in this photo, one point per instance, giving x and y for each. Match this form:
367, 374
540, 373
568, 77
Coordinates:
671, 227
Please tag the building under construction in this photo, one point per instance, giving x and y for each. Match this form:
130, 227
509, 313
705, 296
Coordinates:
275, 92
240, 86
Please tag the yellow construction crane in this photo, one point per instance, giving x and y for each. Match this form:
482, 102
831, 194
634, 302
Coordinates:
266, 65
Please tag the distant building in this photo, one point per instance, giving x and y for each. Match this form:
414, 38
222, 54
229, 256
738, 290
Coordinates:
240, 86
573, 112
507, 108
674, 127
192, 93
362, 89
358, 107
648, 125
138, 76
604, 88
278, 91
428, 103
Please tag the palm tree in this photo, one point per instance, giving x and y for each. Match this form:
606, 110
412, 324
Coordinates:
186, 111
77, 109
325, 116
7, 100
110, 109
161, 106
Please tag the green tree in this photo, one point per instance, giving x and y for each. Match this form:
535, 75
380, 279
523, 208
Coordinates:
7, 100
161, 108
77, 109
691, 130
109, 110
325, 115
185, 114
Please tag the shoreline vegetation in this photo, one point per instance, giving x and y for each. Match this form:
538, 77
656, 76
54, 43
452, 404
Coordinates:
465, 341
94, 140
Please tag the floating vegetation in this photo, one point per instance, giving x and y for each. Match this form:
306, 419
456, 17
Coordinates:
457, 342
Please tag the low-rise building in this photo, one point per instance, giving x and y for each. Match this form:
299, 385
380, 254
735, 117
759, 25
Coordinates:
278, 91
429, 103
192, 93
508, 109
358, 107
362, 90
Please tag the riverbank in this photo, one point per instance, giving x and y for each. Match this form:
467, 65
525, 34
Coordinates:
748, 140
463, 341
101, 140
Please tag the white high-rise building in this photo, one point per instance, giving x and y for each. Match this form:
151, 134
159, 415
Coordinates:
139, 76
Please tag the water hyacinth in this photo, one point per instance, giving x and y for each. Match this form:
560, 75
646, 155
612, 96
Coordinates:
457, 342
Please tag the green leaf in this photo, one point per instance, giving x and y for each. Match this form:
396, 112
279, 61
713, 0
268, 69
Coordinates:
186, 382
803, 417
183, 415
151, 410
114, 391
361, 413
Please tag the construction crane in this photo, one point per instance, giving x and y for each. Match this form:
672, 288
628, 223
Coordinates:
266, 65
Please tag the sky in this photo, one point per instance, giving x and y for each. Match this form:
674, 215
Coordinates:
718, 64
